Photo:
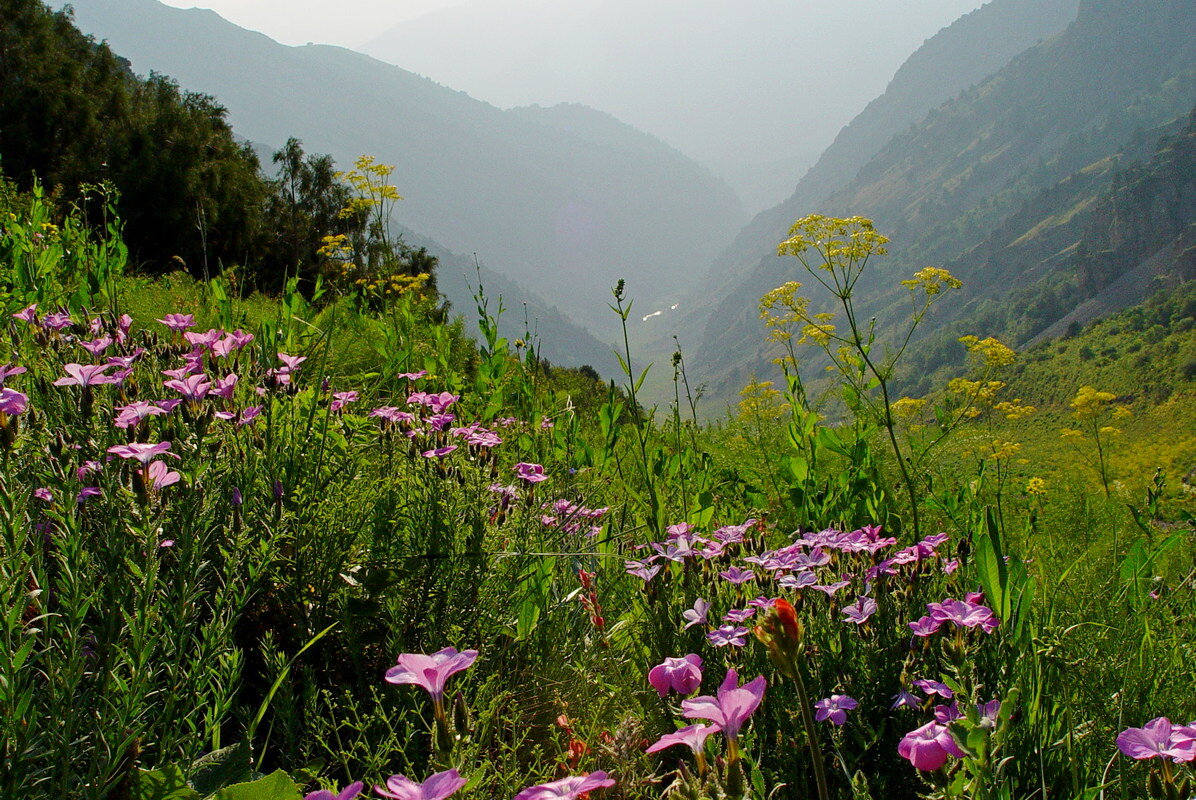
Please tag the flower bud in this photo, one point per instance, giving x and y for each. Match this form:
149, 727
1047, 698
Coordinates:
781, 632
460, 716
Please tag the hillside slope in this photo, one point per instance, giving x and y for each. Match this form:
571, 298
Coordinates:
956, 58
543, 205
745, 87
944, 186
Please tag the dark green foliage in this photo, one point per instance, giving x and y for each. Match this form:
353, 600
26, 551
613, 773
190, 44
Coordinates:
71, 112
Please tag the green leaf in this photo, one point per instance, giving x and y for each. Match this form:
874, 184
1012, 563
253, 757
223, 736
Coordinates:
224, 767
275, 786
990, 564
164, 783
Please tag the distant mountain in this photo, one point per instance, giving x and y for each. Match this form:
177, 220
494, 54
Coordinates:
941, 188
561, 341
564, 202
745, 86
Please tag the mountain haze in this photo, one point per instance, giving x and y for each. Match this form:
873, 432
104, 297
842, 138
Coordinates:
559, 206
753, 88
943, 186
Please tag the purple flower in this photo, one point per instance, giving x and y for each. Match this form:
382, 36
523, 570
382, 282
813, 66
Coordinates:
681, 675
439, 403
7, 372
88, 491
927, 747
131, 415
737, 575
964, 613
57, 321
85, 375
731, 707
642, 570
989, 713
439, 422
44, 494
224, 387
834, 708
944, 715
950, 566
567, 788
342, 399
413, 376
830, 588
734, 635
178, 322
696, 615
903, 699
798, 580
291, 363
437, 787
440, 452
859, 611
28, 314
142, 451
739, 615
1159, 739
932, 688
925, 626
531, 473
692, 736
348, 793
12, 402
97, 346
430, 672
193, 387
161, 476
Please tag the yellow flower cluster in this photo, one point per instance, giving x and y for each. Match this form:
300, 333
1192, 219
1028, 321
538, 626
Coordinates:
821, 331
1036, 487
1014, 409
781, 308
387, 285
980, 394
932, 280
1089, 403
1002, 450
761, 400
908, 407
989, 351
850, 239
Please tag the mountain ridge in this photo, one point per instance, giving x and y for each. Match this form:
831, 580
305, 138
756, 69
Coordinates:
939, 188
544, 206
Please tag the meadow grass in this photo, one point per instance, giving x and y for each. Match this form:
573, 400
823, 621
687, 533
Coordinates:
237, 608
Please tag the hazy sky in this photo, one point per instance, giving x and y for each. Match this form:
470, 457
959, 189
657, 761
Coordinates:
344, 22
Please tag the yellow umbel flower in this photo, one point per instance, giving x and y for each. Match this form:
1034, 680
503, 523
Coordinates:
761, 400
1013, 409
989, 351
1036, 487
908, 407
1089, 403
851, 239
781, 309
932, 280
1002, 450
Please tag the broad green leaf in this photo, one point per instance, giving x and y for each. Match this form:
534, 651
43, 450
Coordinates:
224, 767
275, 786
164, 783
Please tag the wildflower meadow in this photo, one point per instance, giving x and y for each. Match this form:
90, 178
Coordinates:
324, 545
